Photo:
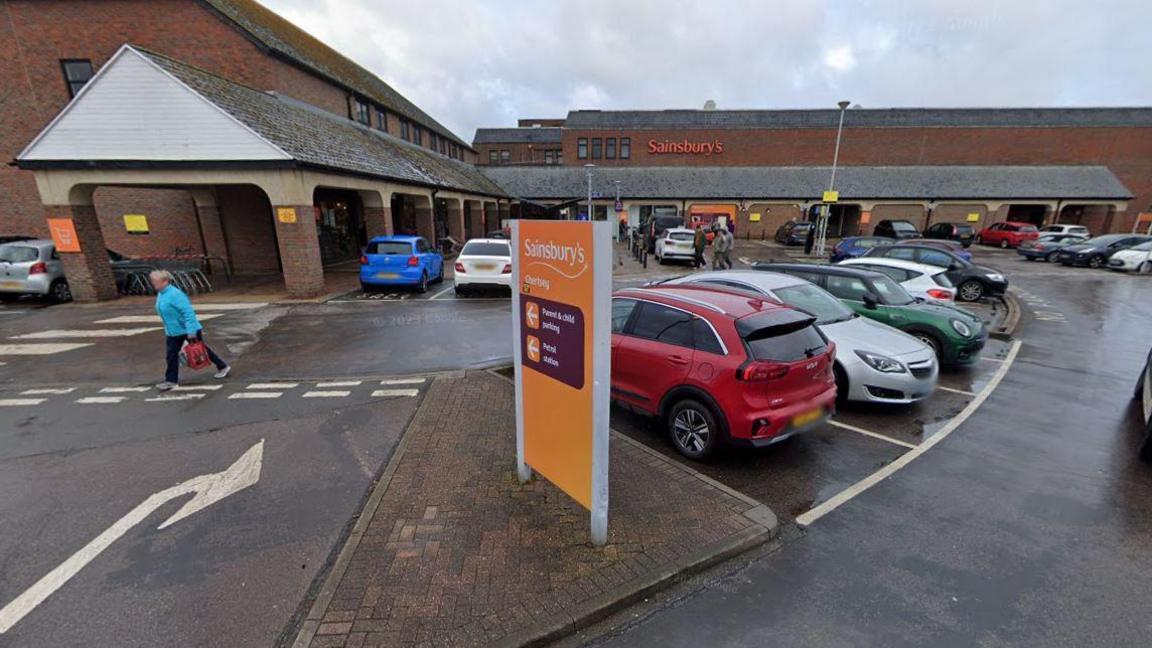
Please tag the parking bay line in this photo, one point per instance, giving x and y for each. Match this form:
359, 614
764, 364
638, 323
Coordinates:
440, 293
956, 391
817, 512
874, 435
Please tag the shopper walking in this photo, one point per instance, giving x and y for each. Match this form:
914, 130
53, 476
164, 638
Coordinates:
722, 249
810, 239
180, 326
698, 242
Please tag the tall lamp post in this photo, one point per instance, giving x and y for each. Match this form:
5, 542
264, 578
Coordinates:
822, 226
616, 208
589, 168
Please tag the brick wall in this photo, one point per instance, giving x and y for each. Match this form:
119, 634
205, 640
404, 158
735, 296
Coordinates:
518, 152
246, 217
171, 220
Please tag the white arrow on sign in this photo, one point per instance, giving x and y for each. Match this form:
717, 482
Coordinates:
206, 490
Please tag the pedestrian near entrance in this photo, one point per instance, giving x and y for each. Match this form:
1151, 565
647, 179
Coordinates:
809, 240
722, 249
698, 243
180, 326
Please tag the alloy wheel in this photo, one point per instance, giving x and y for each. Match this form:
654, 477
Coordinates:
1004, 244
691, 431
1052, 257
61, 293
1095, 262
971, 290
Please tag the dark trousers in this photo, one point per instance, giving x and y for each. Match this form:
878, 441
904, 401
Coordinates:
173, 344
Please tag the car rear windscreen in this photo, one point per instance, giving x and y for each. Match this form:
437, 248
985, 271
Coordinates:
902, 226
18, 253
486, 248
682, 236
942, 280
781, 336
964, 230
389, 247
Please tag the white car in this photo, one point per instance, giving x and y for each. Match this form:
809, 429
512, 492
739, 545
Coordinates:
1134, 259
1075, 230
675, 243
927, 282
484, 263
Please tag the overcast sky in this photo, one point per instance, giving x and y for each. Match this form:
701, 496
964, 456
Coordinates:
473, 63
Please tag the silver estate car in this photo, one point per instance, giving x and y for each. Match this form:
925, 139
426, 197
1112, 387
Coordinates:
874, 362
32, 268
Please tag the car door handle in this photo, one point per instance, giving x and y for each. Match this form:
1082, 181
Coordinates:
677, 360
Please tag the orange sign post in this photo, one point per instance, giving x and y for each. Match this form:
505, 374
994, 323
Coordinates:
561, 305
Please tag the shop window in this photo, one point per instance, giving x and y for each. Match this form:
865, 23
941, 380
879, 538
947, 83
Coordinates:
582, 148
597, 148
77, 72
493, 157
559, 157
404, 129
505, 156
548, 159
625, 148
381, 120
610, 148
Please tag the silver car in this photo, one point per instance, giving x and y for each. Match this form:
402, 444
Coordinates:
32, 268
874, 362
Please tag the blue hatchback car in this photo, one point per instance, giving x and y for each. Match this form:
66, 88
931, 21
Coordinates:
852, 247
400, 261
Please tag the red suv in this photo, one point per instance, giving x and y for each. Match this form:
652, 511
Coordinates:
720, 367
1008, 234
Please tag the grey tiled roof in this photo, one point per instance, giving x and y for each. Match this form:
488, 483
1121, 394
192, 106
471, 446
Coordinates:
289, 41
808, 183
541, 135
858, 117
316, 137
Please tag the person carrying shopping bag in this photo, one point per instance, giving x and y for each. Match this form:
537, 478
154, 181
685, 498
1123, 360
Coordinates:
180, 326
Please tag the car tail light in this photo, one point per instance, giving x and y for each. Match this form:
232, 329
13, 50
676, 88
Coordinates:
38, 268
936, 293
507, 269
363, 259
413, 261
762, 372
459, 267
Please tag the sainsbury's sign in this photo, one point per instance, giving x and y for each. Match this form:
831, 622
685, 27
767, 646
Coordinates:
685, 147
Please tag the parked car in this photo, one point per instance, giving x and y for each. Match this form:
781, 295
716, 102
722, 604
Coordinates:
874, 362
1135, 259
973, 282
1008, 234
676, 243
920, 280
400, 260
718, 368
1095, 252
1048, 246
497, 234
655, 226
962, 233
484, 263
896, 229
854, 246
954, 335
1143, 397
950, 246
1073, 230
793, 232
32, 267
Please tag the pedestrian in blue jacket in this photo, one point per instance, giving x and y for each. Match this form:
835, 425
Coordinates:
180, 325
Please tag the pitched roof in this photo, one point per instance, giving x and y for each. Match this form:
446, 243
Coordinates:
528, 135
808, 183
271, 31
858, 117
318, 138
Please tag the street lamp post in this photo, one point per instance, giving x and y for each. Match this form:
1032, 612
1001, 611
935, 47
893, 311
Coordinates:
589, 167
822, 226
616, 208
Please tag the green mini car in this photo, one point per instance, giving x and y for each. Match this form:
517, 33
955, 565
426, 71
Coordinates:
956, 335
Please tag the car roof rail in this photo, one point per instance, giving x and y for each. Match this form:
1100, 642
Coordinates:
684, 298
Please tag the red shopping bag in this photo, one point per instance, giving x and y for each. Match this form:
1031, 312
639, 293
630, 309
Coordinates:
195, 356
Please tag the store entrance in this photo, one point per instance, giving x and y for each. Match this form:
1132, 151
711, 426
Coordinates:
340, 225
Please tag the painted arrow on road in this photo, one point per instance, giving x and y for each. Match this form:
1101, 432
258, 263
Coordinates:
205, 489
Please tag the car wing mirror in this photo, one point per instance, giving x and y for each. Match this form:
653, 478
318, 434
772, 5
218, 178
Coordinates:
871, 301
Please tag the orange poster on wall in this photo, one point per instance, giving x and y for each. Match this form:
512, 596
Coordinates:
64, 234
562, 302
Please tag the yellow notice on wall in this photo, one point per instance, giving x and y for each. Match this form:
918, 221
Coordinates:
831, 196
974, 217
286, 214
754, 217
136, 223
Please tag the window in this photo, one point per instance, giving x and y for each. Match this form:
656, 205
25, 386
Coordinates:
381, 120
621, 311
625, 148
898, 274
421, 246
443, 146
933, 257
18, 253
582, 148
908, 254
703, 339
786, 343
493, 157
663, 324
389, 247
610, 149
597, 148
549, 158
404, 132
505, 157
76, 74
849, 288
486, 248
890, 292
361, 112
819, 303
418, 135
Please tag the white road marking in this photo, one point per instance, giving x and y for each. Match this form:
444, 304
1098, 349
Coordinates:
908, 457
197, 387
341, 383
956, 391
326, 394
272, 385
206, 490
100, 400
123, 390
388, 393
228, 307
868, 433
35, 392
174, 397
442, 292
85, 333
990, 359
41, 349
20, 402
150, 319
258, 394
403, 381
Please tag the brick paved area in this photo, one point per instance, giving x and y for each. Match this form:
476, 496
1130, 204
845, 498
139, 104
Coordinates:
455, 552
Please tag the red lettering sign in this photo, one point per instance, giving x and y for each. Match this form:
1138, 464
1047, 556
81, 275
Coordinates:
685, 147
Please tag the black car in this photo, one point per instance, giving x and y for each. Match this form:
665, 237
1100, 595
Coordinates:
1094, 252
962, 233
897, 229
1143, 397
793, 232
655, 227
972, 282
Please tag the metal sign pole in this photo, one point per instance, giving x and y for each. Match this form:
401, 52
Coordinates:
601, 378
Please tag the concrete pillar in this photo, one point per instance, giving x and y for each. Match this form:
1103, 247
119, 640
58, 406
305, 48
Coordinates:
377, 220
211, 228
456, 220
299, 244
88, 271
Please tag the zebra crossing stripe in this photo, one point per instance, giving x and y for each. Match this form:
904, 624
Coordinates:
388, 393
256, 394
197, 388
272, 385
41, 349
149, 319
341, 383
100, 400
233, 306
403, 381
39, 392
174, 397
20, 402
85, 333
123, 390
326, 394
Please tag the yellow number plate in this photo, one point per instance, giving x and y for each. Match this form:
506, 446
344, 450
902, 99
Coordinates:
807, 417
485, 266
11, 284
